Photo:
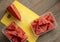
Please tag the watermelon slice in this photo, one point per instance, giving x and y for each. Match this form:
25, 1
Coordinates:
49, 16
39, 31
15, 33
13, 10
43, 23
38, 26
34, 24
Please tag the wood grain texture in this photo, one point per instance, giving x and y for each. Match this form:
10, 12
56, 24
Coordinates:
53, 36
40, 7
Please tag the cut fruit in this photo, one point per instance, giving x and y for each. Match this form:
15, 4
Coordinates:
39, 31
13, 10
15, 33
43, 23
49, 17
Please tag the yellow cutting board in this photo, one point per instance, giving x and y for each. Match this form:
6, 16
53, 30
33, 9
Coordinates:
27, 17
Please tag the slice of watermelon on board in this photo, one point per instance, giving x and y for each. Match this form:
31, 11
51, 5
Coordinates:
13, 11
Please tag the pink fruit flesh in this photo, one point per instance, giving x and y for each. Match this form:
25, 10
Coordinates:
43, 23
15, 33
13, 10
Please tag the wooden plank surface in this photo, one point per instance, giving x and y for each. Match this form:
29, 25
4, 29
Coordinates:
40, 7
53, 36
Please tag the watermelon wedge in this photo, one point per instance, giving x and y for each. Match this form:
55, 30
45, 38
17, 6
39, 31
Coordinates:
13, 10
49, 16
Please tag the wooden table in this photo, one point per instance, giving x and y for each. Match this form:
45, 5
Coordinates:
40, 7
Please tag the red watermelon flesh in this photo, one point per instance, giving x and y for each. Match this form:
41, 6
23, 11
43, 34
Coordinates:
49, 17
43, 24
51, 26
34, 25
15, 40
39, 31
39, 26
15, 33
13, 10
12, 26
8, 32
